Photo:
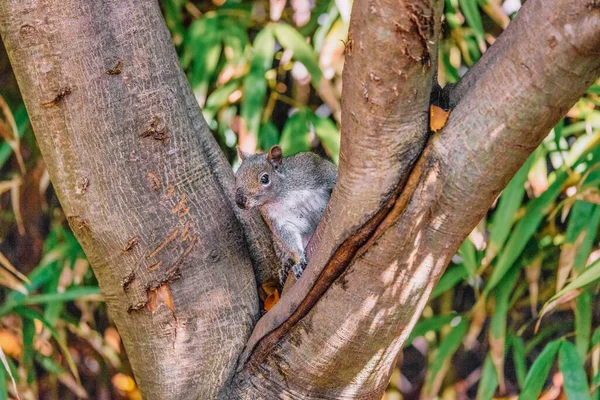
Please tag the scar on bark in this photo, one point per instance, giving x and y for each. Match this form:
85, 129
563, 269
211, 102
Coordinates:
117, 69
82, 186
136, 307
154, 266
181, 209
185, 232
158, 134
62, 93
159, 296
175, 267
162, 296
127, 280
131, 243
165, 242
154, 180
423, 25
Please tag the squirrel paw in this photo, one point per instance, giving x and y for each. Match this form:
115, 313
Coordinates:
298, 269
283, 274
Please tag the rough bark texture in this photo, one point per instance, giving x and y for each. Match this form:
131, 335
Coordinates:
148, 192
507, 105
142, 183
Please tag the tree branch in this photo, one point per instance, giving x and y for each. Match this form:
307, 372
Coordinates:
387, 85
143, 184
507, 105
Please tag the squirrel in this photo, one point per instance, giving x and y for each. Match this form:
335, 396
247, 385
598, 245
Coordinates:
291, 194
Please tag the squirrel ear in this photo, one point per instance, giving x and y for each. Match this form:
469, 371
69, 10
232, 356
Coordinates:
242, 155
275, 156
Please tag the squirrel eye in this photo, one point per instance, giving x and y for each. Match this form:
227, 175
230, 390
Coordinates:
264, 179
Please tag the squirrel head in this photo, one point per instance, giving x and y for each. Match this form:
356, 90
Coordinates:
257, 178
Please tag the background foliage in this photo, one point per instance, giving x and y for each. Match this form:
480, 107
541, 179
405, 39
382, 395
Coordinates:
268, 72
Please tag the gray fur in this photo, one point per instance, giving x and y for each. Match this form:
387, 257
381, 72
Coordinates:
293, 202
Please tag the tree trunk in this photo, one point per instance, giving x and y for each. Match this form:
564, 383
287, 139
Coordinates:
148, 192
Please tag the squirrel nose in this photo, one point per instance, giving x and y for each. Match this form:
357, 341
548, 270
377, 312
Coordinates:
240, 199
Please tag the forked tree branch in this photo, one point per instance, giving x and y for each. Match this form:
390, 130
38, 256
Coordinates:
341, 342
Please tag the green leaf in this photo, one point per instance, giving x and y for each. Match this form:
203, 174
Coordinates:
590, 275
255, 83
291, 39
204, 48
583, 323
508, 205
295, 137
429, 324
591, 215
218, 98
28, 349
452, 277
596, 337
468, 254
471, 12
3, 391
488, 381
30, 314
524, 230
519, 358
499, 318
447, 348
575, 380
268, 136
329, 135
534, 383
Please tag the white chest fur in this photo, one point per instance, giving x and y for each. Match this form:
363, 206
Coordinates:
300, 211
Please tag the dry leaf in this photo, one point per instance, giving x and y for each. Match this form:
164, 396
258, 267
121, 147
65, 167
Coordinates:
271, 300
437, 118
567, 297
533, 277
9, 131
10, 344
267, 288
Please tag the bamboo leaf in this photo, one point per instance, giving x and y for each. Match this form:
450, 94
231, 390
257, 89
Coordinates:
446, 350
471, 12
508, 205
429, 324
290, 39
467, 252
30, 314
590, 275
452, 277
498, 323
296, 134
518, 351
534, 382
575, 380
488, 381
3, 394
524, 230
268, 136
329, 135
255, 83
583, 323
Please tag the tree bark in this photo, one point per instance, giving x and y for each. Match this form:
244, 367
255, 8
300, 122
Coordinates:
148, 192
143, 184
